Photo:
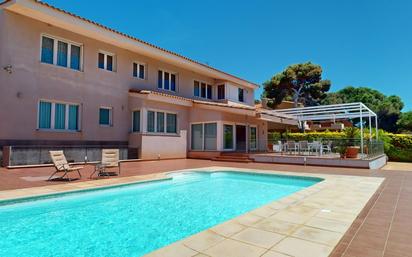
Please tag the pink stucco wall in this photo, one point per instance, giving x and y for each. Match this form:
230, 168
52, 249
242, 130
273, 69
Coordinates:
32, 80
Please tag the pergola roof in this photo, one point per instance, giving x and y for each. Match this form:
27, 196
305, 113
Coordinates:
329, 112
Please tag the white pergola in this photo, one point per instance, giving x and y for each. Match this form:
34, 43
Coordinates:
333, 112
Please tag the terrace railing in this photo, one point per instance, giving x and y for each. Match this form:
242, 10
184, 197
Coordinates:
325, 147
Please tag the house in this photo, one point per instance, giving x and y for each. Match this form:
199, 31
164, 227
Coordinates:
67, 81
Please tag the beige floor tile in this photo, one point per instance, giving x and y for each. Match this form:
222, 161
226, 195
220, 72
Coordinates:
232, 248
304, 210
274, 254
291, 217
201, 255
264, 211
318, 235
248, 219
203, 240
258, 237
277, 205
277, 226
301, 248
173, 250
228, 229
340, 216
327, 224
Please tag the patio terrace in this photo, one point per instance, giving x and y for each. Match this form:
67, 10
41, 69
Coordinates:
383, 228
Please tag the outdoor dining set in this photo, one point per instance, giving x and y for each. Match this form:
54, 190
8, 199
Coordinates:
303, 147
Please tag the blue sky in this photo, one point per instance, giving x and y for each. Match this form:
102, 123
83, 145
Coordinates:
358, 43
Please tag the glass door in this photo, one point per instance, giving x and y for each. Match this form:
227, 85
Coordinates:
227, 137
241, 132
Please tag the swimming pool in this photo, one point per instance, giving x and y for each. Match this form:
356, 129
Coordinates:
136, 219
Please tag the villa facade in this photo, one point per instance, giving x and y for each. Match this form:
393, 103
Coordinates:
66, 80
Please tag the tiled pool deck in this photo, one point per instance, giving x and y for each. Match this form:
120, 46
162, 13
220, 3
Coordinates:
313, 222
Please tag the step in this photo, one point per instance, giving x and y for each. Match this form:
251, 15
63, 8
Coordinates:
222, 159
233, 154
232, 157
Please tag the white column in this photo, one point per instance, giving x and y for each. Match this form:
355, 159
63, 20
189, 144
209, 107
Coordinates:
370, 127
144, 120
361, 128
376, 126
219, 136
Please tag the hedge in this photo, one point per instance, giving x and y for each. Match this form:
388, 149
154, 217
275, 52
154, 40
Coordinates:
398, 147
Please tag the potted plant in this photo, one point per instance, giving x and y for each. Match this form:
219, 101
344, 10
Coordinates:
351, 149
341, 150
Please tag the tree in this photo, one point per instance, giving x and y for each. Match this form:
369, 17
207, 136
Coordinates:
405, 122
301, 83
388, 108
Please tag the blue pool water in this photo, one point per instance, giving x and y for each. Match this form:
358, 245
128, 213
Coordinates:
136, 219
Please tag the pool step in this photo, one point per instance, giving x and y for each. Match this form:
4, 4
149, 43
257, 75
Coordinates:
233, 157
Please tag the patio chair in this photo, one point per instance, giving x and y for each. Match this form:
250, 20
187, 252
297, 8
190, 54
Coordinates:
62, 166
292, 145
110, 159
317, 146
327, 148
304, 146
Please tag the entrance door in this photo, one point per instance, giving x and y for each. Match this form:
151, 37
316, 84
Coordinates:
240, 138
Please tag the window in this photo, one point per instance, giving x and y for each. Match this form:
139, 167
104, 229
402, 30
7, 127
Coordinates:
105, 116
58, 116
210, 136
106, 61
45, 115
62, 48
73, 117
197, 137
204, 136
161, 122
47, 50
60, 52
228, 136
241, 94
196, 89
201, 89
171, 122
136, 121
75, 57
209, 92
220, 92
139, 70
253, 138
166, 80
150, 121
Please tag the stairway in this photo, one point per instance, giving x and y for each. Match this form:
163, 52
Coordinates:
233, 157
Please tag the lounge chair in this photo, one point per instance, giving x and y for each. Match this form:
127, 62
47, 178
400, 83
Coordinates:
110, 159
62, 166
